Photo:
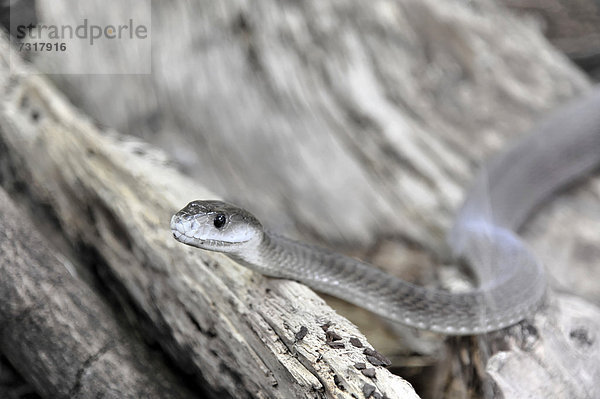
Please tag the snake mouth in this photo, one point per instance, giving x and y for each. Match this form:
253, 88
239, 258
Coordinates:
184, 238
200, 243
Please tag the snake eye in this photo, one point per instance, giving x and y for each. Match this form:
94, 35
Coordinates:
219, 220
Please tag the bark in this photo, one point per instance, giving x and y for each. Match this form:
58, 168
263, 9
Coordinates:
233, 330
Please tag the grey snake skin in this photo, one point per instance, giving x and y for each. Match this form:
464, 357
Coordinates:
512, 281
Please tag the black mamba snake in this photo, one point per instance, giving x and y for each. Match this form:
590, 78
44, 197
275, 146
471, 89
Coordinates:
511, 280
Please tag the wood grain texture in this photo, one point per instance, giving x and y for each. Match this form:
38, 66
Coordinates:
58, 333
346, 123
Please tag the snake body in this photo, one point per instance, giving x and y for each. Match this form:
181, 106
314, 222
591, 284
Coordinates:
511, 280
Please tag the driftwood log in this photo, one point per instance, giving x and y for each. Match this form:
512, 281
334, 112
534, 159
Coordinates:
379, 112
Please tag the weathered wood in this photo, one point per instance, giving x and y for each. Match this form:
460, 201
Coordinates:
58, 333
232, 329
572, 26
361, 122
554, 357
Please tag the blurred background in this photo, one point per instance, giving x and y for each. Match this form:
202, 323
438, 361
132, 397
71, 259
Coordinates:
357, 125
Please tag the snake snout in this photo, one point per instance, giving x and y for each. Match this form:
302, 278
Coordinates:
178, 226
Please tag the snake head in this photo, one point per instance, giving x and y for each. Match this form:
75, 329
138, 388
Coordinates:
216, 226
